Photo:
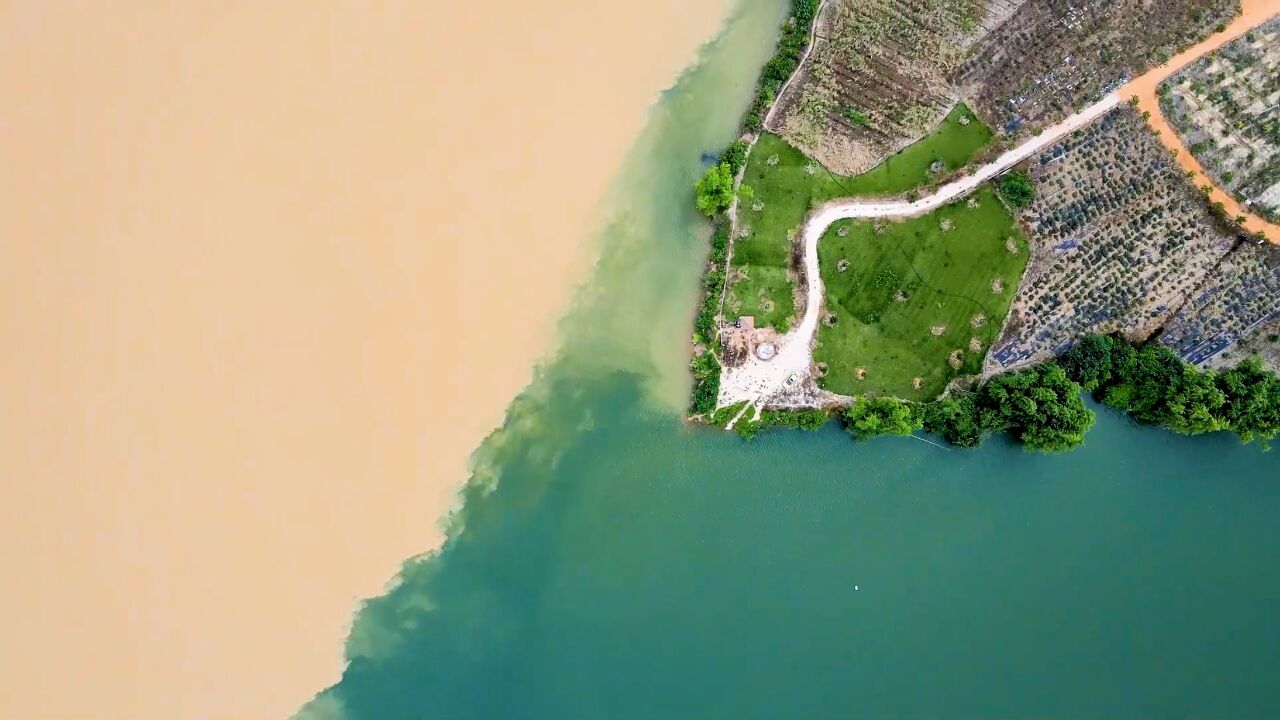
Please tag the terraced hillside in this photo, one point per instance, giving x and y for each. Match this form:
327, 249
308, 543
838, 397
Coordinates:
1226, 107
1119, 241
877, 77
1233, 312
1053, 56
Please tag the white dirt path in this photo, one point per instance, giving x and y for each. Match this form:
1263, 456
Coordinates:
756, 381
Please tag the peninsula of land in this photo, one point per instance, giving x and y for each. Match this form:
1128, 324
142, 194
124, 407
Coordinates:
881, 254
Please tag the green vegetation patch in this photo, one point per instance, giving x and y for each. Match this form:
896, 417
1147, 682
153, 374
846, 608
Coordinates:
912, 304
1016, 188
1155, 386
786, 183
1039, 407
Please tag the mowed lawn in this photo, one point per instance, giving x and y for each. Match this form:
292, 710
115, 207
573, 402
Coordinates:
913, 295
785, 189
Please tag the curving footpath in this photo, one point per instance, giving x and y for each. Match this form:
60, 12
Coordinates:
755, 381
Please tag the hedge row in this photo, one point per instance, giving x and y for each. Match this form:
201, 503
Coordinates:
705, 369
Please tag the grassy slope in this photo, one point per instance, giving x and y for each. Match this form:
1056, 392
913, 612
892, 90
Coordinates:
788, 192
946, 277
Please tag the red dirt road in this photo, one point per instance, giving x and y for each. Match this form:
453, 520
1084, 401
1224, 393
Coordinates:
1254, 13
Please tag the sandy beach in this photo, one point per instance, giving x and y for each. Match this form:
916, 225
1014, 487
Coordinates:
258, 309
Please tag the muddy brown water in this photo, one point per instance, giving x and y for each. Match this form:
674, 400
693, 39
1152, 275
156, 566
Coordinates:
270, 273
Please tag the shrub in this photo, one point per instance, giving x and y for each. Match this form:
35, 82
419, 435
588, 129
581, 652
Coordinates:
1016, 188
735, 156
706, 383
856, 117
956, 419
870, 417
795, 34
1040, 407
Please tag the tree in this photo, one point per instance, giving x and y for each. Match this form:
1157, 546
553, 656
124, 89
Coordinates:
1252, 401
1016, 188
1157, 387
715, 189
735, 156
1040, 407
1089, 362
956, 419
870, 417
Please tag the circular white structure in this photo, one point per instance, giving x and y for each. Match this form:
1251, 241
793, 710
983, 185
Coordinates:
766, 350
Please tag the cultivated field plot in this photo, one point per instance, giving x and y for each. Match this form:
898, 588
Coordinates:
912, 304
877, 77
1237, 303
1053, 55
1227, 109
1119, 240
786, 184
1263, 343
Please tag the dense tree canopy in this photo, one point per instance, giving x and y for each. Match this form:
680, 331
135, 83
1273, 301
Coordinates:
715, 189
1089, 362
956, 419
1016, 187
1252, 404
1040, 407
1155, 386
870, 417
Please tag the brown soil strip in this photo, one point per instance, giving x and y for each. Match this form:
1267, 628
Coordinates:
1254, 13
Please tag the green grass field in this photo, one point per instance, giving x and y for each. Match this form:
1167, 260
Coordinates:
785, 190
908, 282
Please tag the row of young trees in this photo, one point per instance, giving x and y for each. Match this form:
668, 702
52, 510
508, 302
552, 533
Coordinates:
714, 194
791, 44
1042, 407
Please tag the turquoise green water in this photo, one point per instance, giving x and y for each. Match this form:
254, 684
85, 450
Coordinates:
611, 562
